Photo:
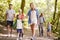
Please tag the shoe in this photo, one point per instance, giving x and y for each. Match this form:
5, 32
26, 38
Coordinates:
33, 38
17, 38
9, 35
21, 38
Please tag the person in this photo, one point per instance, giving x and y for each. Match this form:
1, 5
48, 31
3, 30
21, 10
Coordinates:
41, 21
22, 16
19, 25
10, 14
33, 16
49, 29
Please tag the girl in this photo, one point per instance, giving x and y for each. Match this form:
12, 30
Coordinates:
19, 26
49, 29
41, 20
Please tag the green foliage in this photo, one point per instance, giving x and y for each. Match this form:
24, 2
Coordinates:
43, 6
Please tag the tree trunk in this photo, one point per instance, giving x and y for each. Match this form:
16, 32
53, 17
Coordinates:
22, 5
54, 12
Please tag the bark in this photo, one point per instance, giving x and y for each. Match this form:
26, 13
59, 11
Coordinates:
22, 5
54, 12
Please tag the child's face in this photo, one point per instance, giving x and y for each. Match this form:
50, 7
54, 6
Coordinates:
20, 11
48, 22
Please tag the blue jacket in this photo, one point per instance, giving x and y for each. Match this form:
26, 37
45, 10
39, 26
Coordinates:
29, 14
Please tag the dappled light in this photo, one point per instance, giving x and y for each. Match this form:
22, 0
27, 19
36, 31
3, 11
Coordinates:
30, 19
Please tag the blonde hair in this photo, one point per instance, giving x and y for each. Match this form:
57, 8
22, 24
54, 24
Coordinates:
20, 10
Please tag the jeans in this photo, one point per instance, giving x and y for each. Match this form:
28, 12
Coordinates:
41, 29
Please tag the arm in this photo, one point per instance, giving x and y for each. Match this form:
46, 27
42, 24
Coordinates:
28, 14
37, 13
38, 21
14, 16
44, 20
6, 16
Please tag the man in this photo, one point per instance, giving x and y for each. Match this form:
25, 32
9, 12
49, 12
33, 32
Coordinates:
10, 13
33, 16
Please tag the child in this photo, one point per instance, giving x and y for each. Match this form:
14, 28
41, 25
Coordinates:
19, 26
41, 20
49, 29
21, 15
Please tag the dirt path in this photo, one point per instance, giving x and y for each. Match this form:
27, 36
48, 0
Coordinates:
27, 34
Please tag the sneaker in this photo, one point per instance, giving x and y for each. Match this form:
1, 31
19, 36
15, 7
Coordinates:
20, 38
33, 38
9, 35
17, 38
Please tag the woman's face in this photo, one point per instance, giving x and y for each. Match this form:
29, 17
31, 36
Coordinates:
32, 6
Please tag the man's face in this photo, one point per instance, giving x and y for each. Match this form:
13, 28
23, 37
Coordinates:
32, 6
10, 6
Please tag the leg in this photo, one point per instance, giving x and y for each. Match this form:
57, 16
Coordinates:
48, 34
41, 26
42, 29
11, 30
8, 28
39, 30
18, 36
32, 29
11, 26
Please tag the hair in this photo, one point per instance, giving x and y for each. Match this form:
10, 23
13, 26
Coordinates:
10, 5
17, 16
31, 3
20, 10
41, 14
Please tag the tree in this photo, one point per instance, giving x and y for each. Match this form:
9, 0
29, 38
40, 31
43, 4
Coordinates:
9, 1
22, 5
54, 12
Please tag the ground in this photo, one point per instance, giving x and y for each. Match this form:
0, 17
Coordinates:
27, 34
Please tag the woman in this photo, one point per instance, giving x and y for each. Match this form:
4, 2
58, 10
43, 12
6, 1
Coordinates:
33, 16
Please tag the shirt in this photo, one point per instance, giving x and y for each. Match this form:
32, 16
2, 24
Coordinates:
21, 16
19, 24
10, 14
41, 19
49, 27
29, 14
33, 16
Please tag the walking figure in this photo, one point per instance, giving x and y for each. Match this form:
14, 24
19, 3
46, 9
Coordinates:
49, 29
10, 14
41, 20
19, 26
33, 16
